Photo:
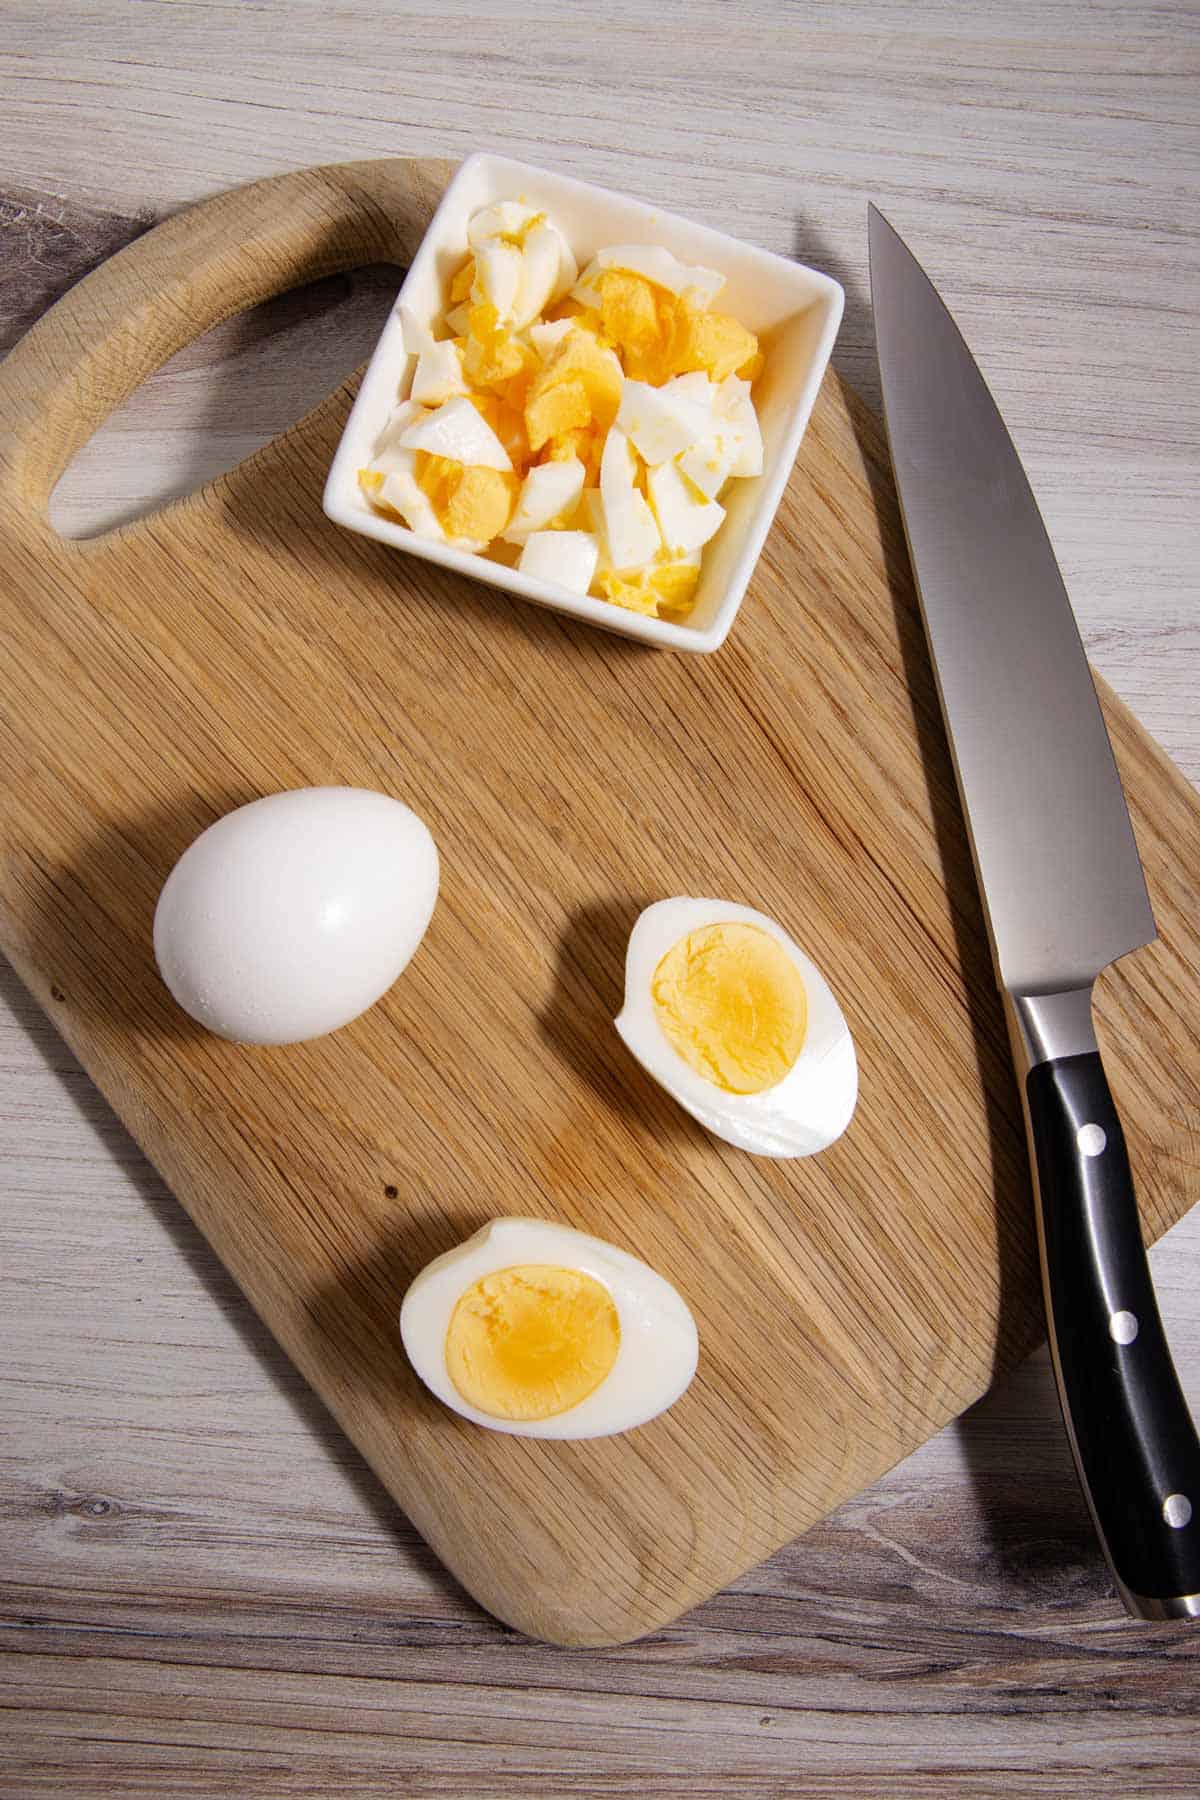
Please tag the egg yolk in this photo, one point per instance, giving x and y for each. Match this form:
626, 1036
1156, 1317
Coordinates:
731, 1003
579, 386
470, 502
713, 342
531, 1341
659, 589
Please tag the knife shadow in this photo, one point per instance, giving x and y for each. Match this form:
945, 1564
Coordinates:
854, 352
1020, 1469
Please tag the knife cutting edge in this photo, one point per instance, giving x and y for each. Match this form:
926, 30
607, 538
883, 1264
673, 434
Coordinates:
1064, 896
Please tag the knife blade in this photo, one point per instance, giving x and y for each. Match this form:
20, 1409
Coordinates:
1064, 896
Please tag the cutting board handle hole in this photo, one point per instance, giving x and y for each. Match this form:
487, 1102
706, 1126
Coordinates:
225, 395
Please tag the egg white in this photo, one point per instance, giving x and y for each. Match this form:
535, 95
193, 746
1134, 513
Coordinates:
659, 1343
567, 557
801, 1114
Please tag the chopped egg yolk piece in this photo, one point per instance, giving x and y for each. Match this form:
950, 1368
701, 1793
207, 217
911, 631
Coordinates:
714, 342
628, 312
731, 1002
506, 416
580, 386
580, 444
463, 282
661, 588
625, 373
493, 360
469, 501
531, 1341
551, 412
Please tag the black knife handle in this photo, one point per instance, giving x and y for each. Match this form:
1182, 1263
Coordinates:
1135, 1445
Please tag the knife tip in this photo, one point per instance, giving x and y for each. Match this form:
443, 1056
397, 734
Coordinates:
878, 229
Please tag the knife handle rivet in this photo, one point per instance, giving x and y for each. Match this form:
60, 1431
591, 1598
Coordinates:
1177, 1510
1123, 1327
1091, 1139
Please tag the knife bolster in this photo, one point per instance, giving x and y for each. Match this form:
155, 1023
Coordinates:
1046, 1027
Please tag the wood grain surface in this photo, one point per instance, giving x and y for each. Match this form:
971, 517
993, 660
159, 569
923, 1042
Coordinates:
955, 1620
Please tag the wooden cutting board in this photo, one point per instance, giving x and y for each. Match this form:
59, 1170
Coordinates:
238, 643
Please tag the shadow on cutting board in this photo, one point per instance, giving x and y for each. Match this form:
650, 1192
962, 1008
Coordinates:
589, 991
91, 927
202, 1262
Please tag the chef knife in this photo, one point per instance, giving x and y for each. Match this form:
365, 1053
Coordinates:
1064, 896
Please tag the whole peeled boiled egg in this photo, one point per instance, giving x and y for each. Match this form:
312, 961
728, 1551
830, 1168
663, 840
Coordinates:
542, 1331
290, 916
725, 1010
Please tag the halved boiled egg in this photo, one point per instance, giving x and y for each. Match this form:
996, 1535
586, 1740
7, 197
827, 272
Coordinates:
538, 1330
739, 1026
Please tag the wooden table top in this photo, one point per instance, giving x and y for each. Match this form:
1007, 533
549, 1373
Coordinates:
204, 1591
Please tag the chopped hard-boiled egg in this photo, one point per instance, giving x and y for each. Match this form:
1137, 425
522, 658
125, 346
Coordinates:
631, 535
541, 256
739, 423
663, 422
685, 518
549, 494
438, 375
567, 558
498, 271
547, 335
391, 483
457, 430
656, 265
608, 410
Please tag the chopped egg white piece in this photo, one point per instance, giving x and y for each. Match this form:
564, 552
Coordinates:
417, 337
661, 422
696, 387
404, 415
735, 408
546, 337
438, 375
503, 219
568, 268
398, 488
401, 492
630, 532
548, 490
457, 431
567, 558
708, 463
685, 520
498, 271
541, 261
593, 511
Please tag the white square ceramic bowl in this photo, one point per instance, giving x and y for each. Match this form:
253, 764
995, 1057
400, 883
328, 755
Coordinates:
794, 310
